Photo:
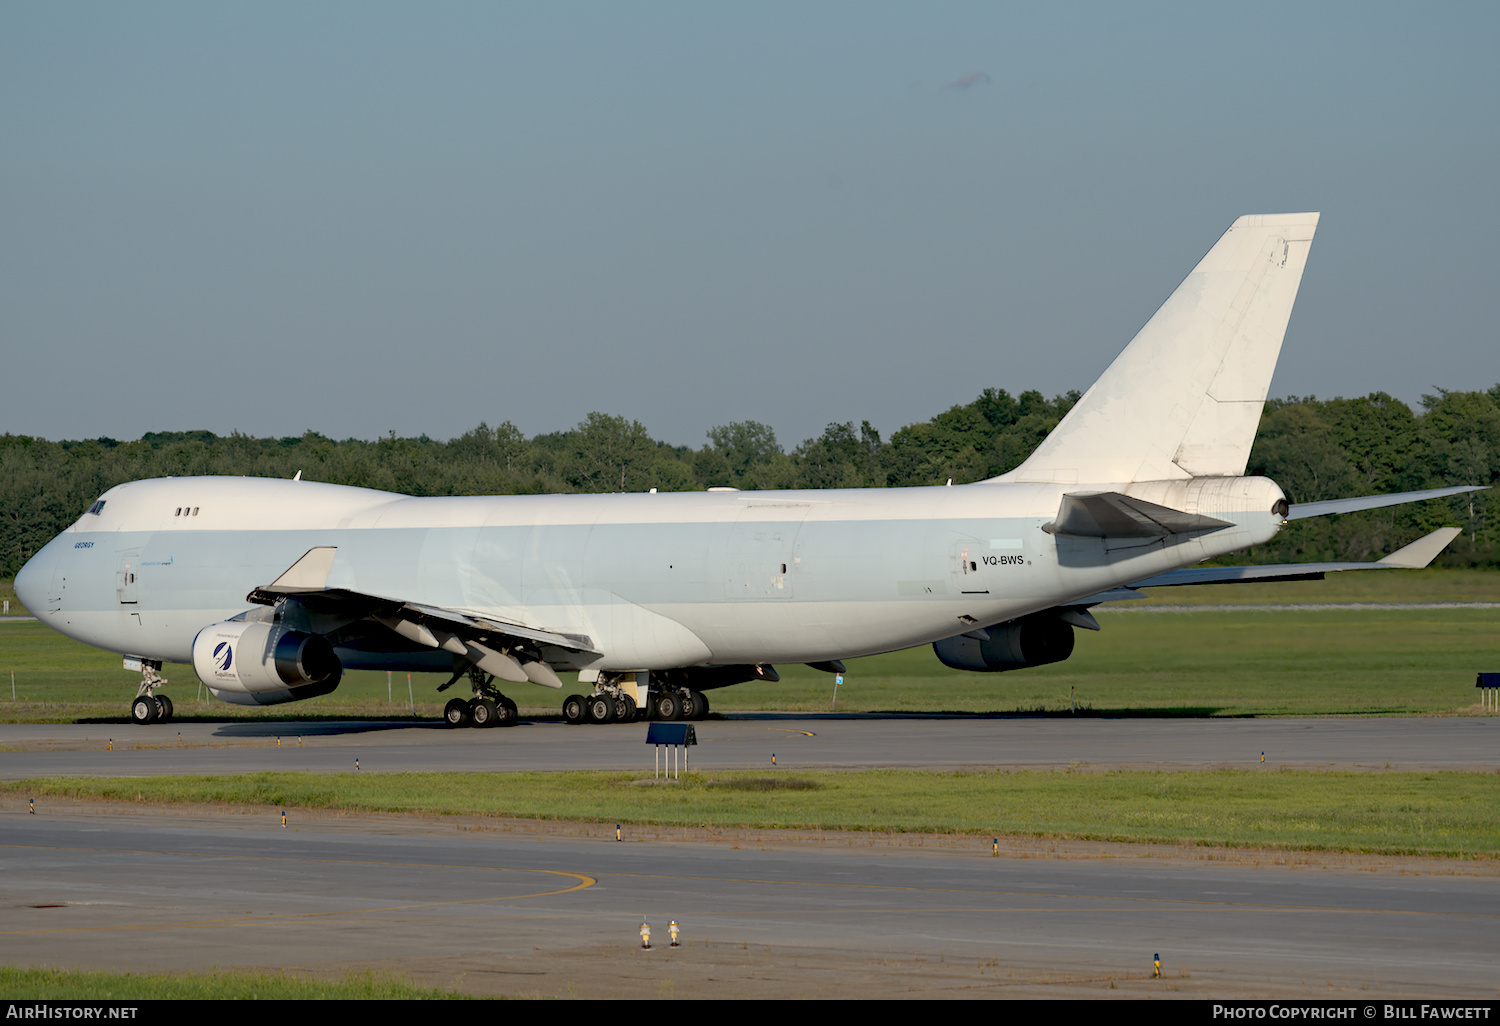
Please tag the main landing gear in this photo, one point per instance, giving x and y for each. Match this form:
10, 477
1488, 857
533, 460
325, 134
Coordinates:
149, 707
488, 707
610, 704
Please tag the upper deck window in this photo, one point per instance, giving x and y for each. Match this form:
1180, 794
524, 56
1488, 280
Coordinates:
96, 507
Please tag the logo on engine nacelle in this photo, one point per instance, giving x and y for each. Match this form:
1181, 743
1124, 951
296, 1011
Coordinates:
223, 656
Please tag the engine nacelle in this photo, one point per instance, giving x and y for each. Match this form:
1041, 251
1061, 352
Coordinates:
264, 663
1030, 641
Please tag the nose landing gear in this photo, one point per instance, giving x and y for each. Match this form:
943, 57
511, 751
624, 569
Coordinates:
148, 706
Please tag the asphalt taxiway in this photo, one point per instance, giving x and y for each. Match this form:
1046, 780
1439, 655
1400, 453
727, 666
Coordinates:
748, 740
496, 909
499, 907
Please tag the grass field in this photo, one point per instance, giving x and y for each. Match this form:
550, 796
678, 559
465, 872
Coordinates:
1245, 662
1154, 660
1171, 661
1392, 813
8, 594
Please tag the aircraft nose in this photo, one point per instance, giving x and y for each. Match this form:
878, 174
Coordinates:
32, 581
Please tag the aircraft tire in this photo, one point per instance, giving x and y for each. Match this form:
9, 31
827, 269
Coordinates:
601, 709
625, 710
165, 704
506, 713
482, 712
456, 712
689, 700
573, 709
143, 710
666, 706
702, 705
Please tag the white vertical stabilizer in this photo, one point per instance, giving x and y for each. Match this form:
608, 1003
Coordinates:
1184, 398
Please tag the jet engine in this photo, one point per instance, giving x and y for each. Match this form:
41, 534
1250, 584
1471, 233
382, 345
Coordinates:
1029, 641
264, 663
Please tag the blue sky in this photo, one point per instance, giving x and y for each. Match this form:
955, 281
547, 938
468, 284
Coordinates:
365, 217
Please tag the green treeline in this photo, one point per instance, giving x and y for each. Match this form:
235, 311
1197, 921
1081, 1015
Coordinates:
1315, 449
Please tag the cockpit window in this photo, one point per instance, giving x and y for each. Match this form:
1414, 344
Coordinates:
96, 507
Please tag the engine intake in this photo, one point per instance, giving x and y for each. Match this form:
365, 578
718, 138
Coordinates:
1029, 641
264, 663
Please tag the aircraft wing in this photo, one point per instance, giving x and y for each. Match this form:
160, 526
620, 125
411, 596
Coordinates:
1116, 515
1418, 554
489, 624
510, 651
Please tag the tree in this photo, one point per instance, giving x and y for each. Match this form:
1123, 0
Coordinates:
609, 454
745, 445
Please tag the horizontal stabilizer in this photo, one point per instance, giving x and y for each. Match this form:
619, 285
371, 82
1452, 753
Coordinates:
1113, 515
1415, 556
1302, 510
1422, 551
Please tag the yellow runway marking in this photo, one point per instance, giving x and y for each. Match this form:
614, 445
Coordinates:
1114, 903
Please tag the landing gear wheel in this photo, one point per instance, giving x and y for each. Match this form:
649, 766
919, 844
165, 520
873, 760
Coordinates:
624, 709
164, 708
667, 706
702, 705
573, 709
601, 709
505, 713
692, 705
143, 710
456, 712
482, 712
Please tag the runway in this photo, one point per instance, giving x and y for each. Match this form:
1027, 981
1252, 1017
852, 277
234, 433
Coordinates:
494, 910
748, 740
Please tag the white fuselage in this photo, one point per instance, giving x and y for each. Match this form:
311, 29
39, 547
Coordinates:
654, 580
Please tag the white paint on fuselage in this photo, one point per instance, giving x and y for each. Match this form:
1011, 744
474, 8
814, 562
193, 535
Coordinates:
673, 579
656, 580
